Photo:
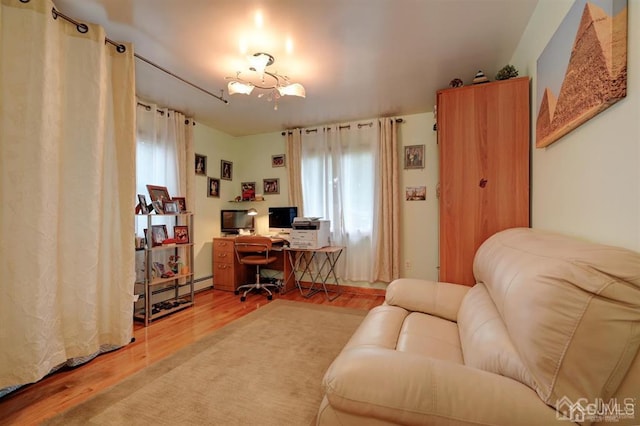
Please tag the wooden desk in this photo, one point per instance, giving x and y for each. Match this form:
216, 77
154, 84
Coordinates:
229, 274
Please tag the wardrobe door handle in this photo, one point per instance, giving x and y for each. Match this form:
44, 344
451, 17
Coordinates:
483, 183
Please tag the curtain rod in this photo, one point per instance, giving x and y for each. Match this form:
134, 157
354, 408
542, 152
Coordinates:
83, 28
348, 126
161, 112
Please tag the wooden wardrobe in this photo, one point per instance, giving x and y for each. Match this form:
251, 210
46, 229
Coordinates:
483, 138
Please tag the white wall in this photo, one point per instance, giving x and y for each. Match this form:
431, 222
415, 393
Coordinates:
215, 146
251, 157
420, 218
587, 183
256, 166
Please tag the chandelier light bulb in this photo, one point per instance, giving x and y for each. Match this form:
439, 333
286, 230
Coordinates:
294, 89
259, 63
275, 85
239, 87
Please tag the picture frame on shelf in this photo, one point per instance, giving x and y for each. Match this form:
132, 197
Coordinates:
142, 203
158, 235
182, 203
201, 164
213, 187
278, 160
414, 157
271, 186
158, 193
158, 269
181, 234
170, 207
248, 191
226, 170
157, 206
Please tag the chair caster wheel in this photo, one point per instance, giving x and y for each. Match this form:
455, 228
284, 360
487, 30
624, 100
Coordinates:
277, 290
236, 292
269, 297
242, 299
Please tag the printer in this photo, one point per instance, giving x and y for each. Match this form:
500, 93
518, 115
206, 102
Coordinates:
309, 233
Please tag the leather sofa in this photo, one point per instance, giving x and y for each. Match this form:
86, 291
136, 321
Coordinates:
550, 330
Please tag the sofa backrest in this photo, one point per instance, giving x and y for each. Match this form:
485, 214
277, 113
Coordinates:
570, 308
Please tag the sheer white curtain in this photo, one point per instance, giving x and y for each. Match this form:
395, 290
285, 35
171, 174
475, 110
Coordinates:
349, 174
164, 142
339, 182
67, 182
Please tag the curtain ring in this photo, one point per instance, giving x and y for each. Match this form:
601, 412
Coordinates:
25, 1
121, 48
82, 28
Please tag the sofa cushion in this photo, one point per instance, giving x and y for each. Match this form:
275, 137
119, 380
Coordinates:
429, 297
430, 336
391, 327
571, 309
379, 328
485, 341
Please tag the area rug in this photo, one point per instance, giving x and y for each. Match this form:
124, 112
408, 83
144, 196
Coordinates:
265, 368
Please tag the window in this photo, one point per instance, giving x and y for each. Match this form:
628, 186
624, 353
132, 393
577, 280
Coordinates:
339, 180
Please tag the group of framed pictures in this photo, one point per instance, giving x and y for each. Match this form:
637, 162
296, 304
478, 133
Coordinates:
159, 235
226, 167
161, 202
269, 186
248, 189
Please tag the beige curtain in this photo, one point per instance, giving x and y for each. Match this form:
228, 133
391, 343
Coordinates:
67, 190
351, 178
387, 264
294, 168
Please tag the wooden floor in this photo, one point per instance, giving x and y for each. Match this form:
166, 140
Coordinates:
213, 309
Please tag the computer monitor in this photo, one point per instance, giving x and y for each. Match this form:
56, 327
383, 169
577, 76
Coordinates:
281, 218
232, 221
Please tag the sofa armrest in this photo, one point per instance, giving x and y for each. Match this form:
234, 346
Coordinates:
430, 297
406, 388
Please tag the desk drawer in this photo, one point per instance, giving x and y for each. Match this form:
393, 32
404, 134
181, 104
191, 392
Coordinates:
223, 257
223, 245
224, 277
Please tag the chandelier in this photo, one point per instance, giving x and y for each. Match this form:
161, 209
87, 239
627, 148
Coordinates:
276, 85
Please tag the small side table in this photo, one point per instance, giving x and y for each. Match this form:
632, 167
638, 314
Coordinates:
301, 261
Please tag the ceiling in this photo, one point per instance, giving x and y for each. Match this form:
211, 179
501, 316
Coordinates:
357, 59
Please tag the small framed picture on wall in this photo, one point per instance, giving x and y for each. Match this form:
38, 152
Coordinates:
201, 165
226, 170
213, 188
278, 160
248, 191
414, 157
271, 186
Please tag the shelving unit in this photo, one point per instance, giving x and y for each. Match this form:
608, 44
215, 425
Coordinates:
182, 280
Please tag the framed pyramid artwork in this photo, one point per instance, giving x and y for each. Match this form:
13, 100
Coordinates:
583, 69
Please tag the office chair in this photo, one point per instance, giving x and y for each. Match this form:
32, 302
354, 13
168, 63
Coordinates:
254, 250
